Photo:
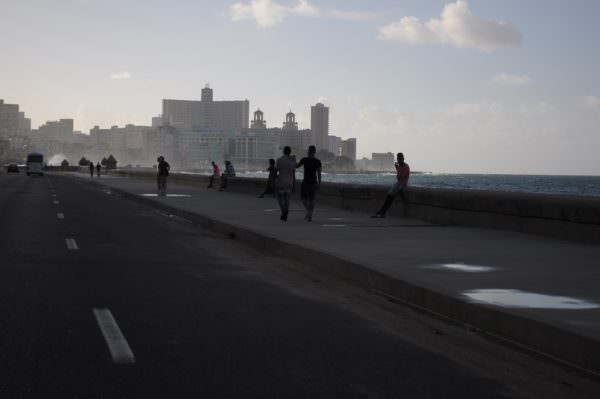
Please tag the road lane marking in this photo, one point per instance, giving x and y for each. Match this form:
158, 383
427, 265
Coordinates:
60, 215
54, 195
71, 244
115, 340
56, 202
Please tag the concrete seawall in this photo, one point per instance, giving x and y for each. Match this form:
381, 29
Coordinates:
563, 217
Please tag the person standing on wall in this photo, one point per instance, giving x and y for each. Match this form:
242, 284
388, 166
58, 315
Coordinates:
285, 179
311, 181
402, 175
163, 172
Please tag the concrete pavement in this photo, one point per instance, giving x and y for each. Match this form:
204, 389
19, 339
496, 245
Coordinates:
539, 292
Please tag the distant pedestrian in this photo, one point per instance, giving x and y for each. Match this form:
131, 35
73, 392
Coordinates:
91, 166
285, 180
98, 169
216, 173
270, 187
311, 181
229, 172
163, 172
402, 175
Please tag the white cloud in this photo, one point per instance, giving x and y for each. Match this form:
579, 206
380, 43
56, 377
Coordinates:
456, 26
267, 13
592, 102
264, 12
120, 75
505, 79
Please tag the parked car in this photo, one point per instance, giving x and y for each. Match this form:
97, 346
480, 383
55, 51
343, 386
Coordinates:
12, 168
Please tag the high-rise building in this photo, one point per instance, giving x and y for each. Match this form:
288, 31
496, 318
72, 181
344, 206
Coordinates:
319, 125
348, 148
9, 119
206, 113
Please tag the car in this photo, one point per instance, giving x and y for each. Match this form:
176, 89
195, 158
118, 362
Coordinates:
12, 168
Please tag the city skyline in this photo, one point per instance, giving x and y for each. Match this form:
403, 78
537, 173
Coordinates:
459, 86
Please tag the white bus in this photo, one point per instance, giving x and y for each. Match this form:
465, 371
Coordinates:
35, 164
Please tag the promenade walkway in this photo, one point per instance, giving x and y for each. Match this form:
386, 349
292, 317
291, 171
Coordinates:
540, 292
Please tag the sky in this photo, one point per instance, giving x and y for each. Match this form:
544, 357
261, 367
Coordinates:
464, 86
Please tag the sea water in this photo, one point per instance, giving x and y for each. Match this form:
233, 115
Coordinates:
544, 184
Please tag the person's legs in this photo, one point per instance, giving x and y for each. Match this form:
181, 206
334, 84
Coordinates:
396, 189
211, 180
281, 202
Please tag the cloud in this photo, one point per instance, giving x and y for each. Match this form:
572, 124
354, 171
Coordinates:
267, 13
456, 26
120, 75
505, 79
592, 102
468, 109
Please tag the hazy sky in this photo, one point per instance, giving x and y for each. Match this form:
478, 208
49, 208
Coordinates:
466, 86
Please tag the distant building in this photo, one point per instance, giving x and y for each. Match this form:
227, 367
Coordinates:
334, 144
348, 148
206, 113
382, 161
60, 131
259, 121
319, 125
290, 122
9, 119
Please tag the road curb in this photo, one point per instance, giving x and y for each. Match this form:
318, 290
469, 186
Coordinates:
531, 334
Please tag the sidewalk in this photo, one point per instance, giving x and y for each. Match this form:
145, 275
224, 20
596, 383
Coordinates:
538, 292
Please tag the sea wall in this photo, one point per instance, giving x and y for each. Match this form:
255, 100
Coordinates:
563, 217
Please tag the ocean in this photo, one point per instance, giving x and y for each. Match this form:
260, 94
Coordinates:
543, 184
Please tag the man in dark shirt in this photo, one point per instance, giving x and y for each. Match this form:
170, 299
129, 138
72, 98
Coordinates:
311, 181
163, 172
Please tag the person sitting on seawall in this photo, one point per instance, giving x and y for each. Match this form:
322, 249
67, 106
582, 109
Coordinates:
229, 172
402, 175
216, 173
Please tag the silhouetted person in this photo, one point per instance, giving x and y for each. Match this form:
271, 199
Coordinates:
402, 175
91, 166
311, 181
216, 173
229, 172
163, 172
270, 187
98, 169
284, 183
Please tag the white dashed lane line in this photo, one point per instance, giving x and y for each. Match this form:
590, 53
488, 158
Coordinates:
71, 244
118, 347
60, 215
56, 202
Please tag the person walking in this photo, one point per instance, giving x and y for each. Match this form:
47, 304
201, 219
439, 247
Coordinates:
98, 169
163, 172
91, 166
311, 181
284, 181
216, 173
229, 172
402, 175
270, 187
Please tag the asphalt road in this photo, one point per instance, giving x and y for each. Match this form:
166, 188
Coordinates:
103, 298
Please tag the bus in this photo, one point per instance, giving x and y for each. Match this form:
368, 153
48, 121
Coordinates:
35, 164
